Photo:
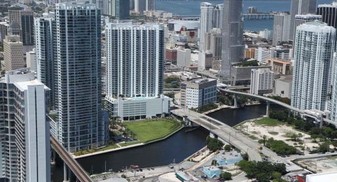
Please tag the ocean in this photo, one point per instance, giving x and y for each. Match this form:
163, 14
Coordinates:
192, 8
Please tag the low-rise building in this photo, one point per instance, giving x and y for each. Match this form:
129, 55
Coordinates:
280, 66
134, 108
283, 86
183, 57
261, 81
241, 74
199, 92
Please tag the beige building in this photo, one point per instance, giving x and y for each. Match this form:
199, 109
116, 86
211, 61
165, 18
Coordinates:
198, 92
13, 53
279, 66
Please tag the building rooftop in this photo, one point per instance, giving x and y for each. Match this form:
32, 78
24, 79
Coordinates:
321, 177
286, 78
24, 85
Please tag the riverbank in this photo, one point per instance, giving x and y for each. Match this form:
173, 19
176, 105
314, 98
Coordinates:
217, 109
121, 145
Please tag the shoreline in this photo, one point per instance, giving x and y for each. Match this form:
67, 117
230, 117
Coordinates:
130, 146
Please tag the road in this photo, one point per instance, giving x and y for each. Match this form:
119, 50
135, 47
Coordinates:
224, 132
275, 102
79, 172
235, 138
263, 98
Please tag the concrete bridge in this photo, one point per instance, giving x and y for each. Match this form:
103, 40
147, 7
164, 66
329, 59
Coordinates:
318, 116
72, 164
227, 134
258, 16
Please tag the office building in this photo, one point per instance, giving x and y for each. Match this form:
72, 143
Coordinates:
78, 76
300, 7
261, 81
25, 144
283, 86
241, 75
281, 28
27, 27
171, 55
135, 63
4, 26
328, 13
232, 44
13, 53
198, 92
280, 66
314, 46
183, 57
21, 23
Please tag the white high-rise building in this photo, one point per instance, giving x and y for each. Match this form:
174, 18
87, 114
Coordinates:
261, 81
211, 21
206, 22
300, 7
25, 144
314, 47
144, 5
135, 68
77, 66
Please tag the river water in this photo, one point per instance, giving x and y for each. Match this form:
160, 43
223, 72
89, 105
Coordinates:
175, 148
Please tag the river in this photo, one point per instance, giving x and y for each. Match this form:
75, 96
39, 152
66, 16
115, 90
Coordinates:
175, 148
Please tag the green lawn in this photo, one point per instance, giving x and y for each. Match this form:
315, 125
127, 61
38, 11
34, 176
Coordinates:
149, 130
268, 122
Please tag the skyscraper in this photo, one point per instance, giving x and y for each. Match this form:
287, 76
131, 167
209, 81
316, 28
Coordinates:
21, 23
300, 7
329, 13
135, 68
45, 45
218, 16
119, 9
206, 22
144, 5
25, 144
314, 47
281, 28
232, 44
78, 76
13, 53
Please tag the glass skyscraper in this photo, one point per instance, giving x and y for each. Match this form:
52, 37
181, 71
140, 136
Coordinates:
78, 76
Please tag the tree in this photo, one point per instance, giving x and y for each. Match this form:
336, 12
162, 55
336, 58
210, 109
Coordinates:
228, 148
264, 139
214, 163
213, 144
225, 176
324, 147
